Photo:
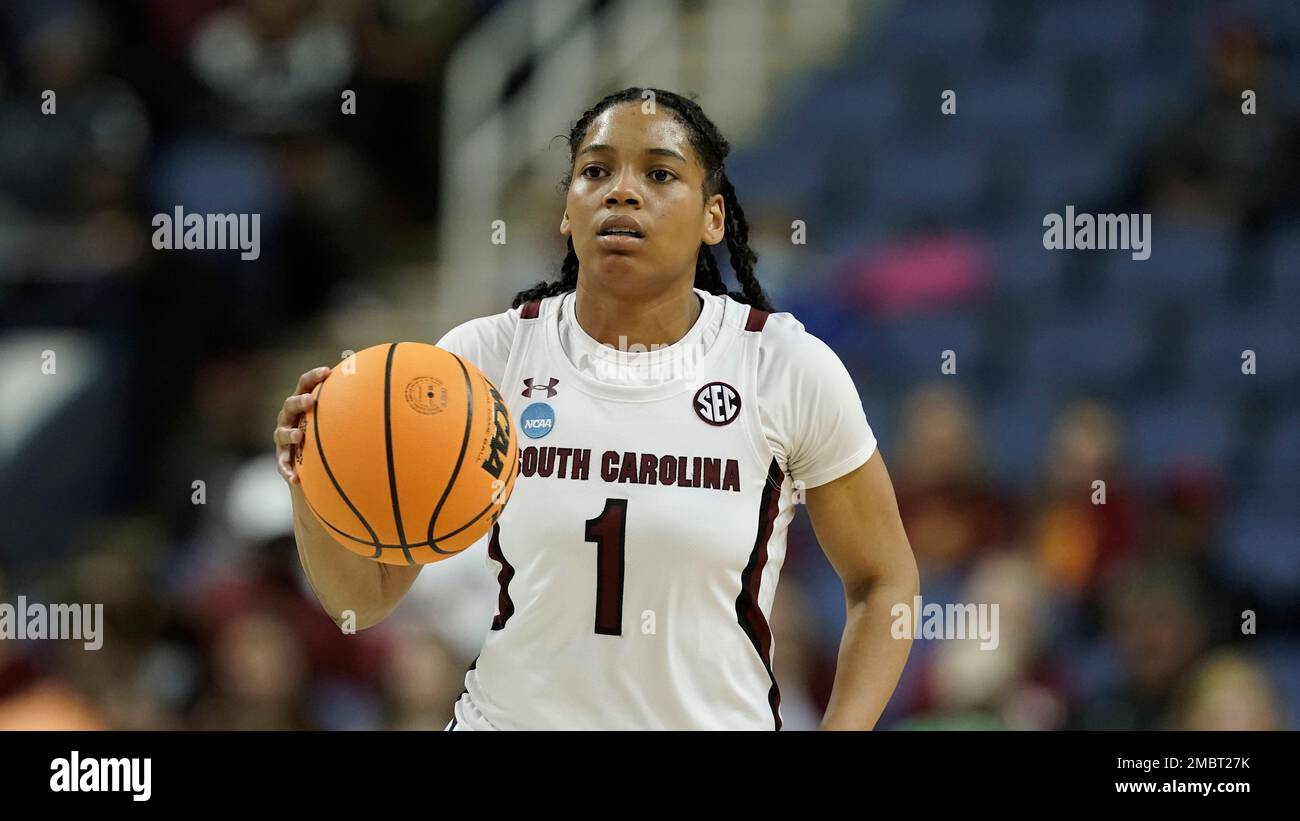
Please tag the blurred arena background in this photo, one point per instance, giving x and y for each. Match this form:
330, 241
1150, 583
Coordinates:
924, 233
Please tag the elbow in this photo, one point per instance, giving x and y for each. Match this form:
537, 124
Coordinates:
361, 607
900, 583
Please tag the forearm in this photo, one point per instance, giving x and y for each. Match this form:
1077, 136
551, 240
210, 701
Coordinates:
870, 658
342, 580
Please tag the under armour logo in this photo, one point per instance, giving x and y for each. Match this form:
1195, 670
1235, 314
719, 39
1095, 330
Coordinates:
549, 387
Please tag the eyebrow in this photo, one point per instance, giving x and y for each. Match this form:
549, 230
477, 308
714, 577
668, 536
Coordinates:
660, 152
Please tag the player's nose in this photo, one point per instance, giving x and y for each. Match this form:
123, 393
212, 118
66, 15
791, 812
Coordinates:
622, 192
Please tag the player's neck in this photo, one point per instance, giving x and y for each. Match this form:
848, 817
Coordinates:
621, 322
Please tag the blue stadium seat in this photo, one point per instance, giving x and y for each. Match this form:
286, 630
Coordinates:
1099, 348
1109, 29
936, 28
1139, 107
1062, 172
914, 180
1277, 478
913, 345
1007, 103
1281, 659
881, 407
845, 102
788, 173
1166, 433
1017, 426
1259, 552
1284, 266
1216, 345
1278, 20
1023, 268
1185, 264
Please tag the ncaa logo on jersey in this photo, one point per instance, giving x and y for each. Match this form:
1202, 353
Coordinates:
717, 403
537, 420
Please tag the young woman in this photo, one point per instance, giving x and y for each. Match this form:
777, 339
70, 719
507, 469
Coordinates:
667, 430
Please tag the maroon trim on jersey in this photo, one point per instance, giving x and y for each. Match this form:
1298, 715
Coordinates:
757, 319
530, 309
505, 607
748, 613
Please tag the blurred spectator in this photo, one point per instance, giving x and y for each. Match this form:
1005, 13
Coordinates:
31, 698
260, 676
1228, 691
1078, 538
422, 679
793, 648
1013, 685
950, 504
1217, 164
1154, 617
67, 174
273, 65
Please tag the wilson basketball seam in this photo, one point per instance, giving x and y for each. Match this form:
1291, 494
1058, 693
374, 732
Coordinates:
460, 459
325, 463
442, 538
388, 444
477, 516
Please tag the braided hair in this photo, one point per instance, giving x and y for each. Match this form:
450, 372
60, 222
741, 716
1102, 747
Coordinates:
712, 149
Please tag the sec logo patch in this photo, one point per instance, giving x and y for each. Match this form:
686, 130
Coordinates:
717, 403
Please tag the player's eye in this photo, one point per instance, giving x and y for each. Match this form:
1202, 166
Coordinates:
591, 168
670, 175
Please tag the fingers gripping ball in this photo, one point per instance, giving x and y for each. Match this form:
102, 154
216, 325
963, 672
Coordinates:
408, 454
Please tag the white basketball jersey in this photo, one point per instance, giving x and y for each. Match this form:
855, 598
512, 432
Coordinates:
638, 556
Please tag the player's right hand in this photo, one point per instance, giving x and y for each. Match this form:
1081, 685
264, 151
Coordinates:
287, 433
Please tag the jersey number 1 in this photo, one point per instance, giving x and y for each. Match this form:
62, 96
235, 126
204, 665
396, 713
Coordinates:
607, 531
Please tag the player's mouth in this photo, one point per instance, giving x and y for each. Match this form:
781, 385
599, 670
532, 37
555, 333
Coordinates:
620, 233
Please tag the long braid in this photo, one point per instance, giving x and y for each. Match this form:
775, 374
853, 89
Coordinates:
712, 148
707, 276
743, 257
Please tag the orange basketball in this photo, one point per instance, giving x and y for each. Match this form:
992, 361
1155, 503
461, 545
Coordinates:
408, 455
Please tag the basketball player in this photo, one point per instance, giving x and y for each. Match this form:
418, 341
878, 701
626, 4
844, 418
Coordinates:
667, 429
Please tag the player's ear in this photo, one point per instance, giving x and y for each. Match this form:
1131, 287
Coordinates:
715, 220
565, 228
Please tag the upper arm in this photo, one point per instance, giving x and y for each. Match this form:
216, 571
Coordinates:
857, 524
